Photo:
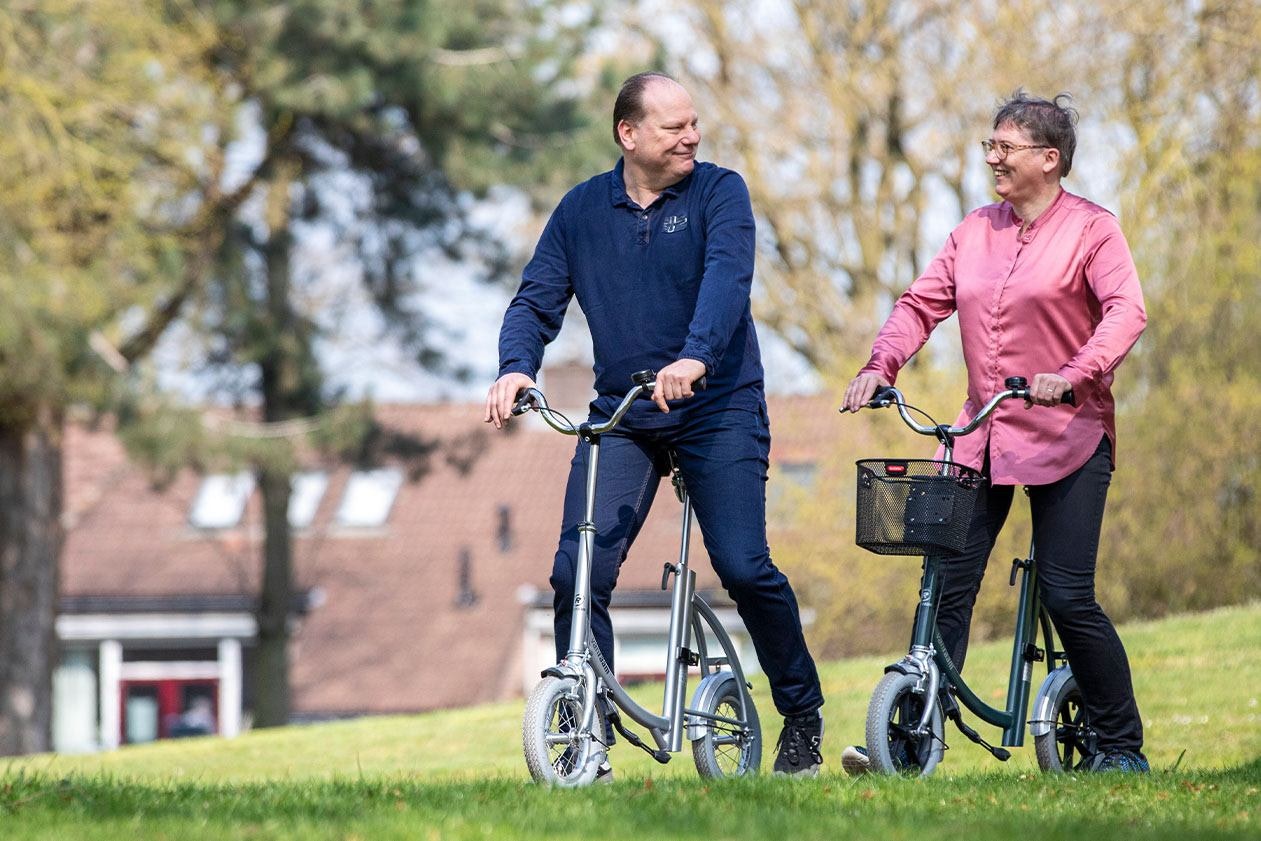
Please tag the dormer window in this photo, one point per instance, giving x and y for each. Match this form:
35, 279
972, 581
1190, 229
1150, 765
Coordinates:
220, 501
307, 489
368, 497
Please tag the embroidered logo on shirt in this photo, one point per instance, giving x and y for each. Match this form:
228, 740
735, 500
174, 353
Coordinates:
674, 223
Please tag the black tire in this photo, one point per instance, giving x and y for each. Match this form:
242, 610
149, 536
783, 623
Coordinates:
894, 711
727, 750
1068, 745
554, 753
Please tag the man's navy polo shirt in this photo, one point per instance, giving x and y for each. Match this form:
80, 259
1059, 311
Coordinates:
656, 284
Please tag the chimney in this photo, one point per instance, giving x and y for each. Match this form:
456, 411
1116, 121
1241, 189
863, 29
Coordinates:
466, 597
504, 529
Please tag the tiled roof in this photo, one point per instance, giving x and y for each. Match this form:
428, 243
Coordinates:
385, 631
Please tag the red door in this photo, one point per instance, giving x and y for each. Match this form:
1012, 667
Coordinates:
163, 709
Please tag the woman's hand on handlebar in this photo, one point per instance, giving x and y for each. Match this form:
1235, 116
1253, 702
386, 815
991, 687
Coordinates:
1047, 390
502, 396
675, 381
860, 391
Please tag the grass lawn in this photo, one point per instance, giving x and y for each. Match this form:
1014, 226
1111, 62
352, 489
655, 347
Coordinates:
459, 774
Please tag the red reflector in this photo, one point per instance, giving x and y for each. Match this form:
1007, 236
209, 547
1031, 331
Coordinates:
895, 468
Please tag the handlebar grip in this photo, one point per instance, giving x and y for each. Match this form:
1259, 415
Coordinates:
1021, 384
883, 396
649, 377
525, 402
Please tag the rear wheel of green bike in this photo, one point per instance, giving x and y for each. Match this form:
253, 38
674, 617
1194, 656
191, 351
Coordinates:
555, 752
895, 711
725, 749
1067, 745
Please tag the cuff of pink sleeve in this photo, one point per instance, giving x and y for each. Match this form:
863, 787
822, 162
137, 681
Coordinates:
882, 366
1083, 383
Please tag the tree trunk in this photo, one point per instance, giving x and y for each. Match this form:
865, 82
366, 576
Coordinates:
285, 367
271, 658
30, 545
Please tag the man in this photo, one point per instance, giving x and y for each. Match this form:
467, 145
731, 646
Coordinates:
659, 253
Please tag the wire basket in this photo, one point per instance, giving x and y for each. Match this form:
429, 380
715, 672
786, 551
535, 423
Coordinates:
912, 507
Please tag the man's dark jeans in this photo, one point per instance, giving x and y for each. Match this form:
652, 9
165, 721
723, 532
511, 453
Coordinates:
723, 458
1067, 518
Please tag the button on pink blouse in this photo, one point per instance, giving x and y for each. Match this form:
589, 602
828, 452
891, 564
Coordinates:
1063, 297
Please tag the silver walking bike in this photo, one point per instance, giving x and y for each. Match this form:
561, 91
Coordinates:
563, 731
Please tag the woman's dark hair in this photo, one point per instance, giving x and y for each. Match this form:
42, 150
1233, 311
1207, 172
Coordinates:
1048, 122
629, 105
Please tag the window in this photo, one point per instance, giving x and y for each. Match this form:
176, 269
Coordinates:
799, 474
789, 481
368, 497
307, 491
221, 501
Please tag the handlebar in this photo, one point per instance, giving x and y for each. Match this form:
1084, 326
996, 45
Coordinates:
1017, 387
645, 384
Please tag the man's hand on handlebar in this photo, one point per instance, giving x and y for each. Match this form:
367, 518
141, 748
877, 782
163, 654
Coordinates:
675, 381
1047, 390
860, 391
501, 397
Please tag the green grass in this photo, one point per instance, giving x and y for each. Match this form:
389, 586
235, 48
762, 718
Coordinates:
458, 774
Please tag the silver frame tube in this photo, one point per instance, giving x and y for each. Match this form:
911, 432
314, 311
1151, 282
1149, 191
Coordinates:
583, 659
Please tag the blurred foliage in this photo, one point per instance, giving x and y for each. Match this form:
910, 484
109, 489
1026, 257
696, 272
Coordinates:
161, 156
101, 124
856, 127
163, 160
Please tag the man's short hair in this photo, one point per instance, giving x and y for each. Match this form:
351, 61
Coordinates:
629, 105
1048, 122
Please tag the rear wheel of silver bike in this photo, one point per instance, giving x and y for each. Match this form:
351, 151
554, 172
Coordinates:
1067, 744
730, 748
892, 716
555, 751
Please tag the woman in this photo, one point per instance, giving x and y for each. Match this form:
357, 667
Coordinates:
1044, 285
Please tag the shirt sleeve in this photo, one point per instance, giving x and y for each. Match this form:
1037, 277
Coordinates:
728, 276
929, 301
1113, 282
535, 314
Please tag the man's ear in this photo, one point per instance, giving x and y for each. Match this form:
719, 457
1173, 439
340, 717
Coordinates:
626, 134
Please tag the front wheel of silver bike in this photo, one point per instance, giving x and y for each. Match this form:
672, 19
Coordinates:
1068, 743
892, 717
730, 744
556, 752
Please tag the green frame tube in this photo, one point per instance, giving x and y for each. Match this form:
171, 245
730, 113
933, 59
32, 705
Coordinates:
1028, 615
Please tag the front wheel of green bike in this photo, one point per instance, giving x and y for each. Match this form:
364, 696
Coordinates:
730, 743
1067, 743
892, 717
556, 752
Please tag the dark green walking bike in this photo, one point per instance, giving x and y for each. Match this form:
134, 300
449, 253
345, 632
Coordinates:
924, 507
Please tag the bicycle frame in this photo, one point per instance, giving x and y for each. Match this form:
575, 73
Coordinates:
928, 658
927, 642
689, 613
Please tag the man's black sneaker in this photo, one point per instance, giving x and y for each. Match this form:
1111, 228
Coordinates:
798, 751
1125, 761
855, 761
604, 774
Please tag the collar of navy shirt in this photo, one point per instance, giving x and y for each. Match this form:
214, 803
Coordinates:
620, 198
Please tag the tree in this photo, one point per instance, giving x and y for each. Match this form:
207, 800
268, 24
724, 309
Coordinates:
411, 103
124, 208
1190, 96
855, 126
99, 127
